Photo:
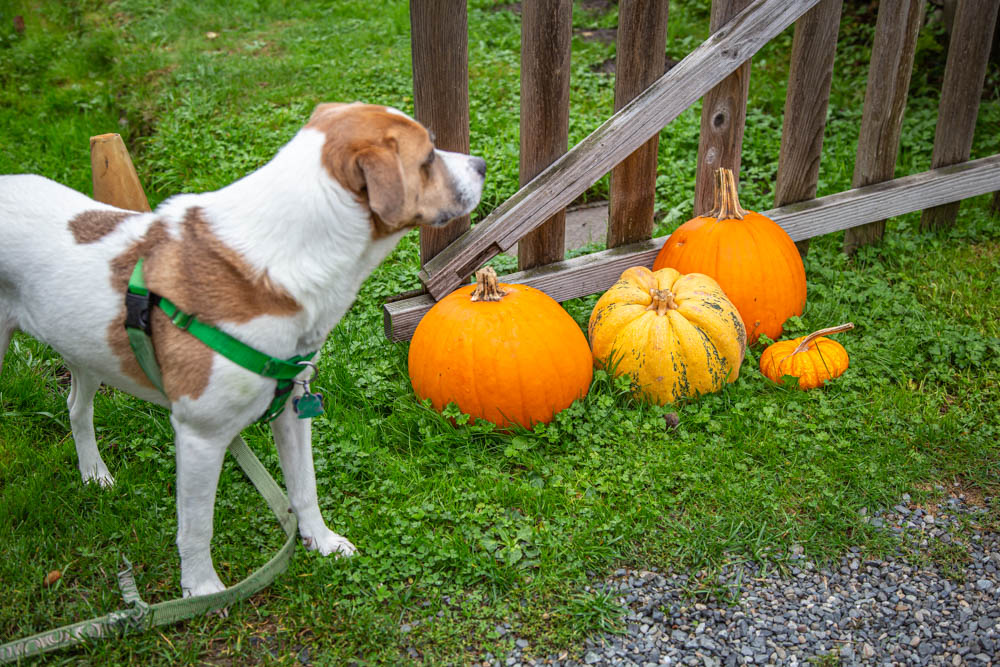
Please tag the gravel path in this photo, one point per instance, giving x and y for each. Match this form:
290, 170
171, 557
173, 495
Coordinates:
936, 601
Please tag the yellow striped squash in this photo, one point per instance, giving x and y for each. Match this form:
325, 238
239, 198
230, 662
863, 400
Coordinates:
675, 335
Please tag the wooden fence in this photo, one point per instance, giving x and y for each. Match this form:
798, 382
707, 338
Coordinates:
646, 100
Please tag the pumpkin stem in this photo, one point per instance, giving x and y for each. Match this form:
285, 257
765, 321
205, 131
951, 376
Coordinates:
804, 345
727, 201
487, 288
663, 300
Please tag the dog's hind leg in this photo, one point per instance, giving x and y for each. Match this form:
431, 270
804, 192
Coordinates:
293, 437
6, 331
83, 388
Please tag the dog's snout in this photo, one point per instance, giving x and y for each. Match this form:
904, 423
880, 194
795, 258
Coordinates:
479, 164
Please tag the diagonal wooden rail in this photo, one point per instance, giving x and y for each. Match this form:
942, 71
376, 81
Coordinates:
555, 187
596, 272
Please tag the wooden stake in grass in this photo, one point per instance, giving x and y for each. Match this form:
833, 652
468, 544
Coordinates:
115, 180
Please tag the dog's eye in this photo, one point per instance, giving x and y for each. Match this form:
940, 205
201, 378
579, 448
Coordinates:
425, 168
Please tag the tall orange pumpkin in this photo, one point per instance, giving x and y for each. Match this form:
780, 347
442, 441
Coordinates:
508, 354
753, 259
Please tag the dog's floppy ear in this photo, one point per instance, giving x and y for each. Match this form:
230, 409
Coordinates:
383, 176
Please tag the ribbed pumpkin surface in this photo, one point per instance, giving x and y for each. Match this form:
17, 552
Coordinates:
753, 259
817, 360
676, 335
518, 360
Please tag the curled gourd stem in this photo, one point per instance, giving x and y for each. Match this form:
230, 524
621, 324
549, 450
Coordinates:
804, 345
487, 288
663, 300
727, 201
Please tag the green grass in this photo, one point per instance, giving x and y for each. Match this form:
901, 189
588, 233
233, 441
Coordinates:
462, 528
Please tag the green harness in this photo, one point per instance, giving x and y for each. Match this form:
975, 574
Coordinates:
139, 302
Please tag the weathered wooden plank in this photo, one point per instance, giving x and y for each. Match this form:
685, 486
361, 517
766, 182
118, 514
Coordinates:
593, 273
640, 56
896, 31
113, 174
546, 35
616, 138
965, 71
810, 75
723, 118
439, 41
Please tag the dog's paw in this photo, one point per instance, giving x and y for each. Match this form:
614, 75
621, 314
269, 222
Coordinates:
99, 475
211, 585
328, 543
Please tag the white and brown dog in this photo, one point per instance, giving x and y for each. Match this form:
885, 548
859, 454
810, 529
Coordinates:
274, 259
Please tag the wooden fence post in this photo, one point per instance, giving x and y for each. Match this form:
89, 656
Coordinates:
114, 177
813, 49
546, 36
439, 39
639, 61
896, 32
723, 118
968, 55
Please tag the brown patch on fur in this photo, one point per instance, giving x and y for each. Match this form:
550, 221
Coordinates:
92, 226
382, 158
121, 270
202, 276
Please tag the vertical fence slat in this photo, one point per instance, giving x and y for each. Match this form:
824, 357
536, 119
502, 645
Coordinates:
723, 117
968, 55
640, 57
810, 75
546, 34
896, 32
439, 39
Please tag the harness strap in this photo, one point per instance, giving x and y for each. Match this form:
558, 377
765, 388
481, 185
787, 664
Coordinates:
138, 303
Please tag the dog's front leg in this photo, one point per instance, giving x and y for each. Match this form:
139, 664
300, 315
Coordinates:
199, 461
293, 437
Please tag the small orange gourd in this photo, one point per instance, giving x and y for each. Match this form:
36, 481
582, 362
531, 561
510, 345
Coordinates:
505, 353
812, 359
753, 259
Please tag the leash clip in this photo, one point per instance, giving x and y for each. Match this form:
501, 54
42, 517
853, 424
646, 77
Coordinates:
307, 405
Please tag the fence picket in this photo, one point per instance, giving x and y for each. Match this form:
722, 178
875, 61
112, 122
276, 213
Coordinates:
810, 75
640, 56
896, 31
546, 34
439, 38
723, 118
965, 71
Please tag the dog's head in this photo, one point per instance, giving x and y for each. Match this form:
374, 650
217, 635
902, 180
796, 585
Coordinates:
389, 162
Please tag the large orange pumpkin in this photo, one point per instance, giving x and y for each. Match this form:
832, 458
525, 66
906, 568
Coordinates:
753, 259
508, 354
676, 336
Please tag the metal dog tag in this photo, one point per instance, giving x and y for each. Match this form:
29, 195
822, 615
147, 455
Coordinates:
308, 405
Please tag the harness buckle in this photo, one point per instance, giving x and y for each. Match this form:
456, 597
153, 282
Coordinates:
182, 320
137, 311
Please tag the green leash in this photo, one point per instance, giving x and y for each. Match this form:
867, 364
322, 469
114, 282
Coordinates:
141, 616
